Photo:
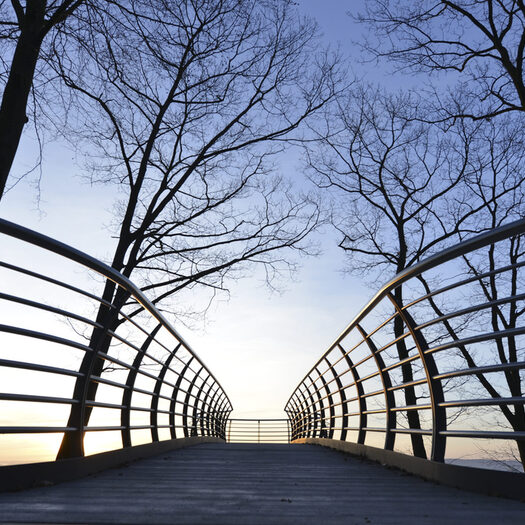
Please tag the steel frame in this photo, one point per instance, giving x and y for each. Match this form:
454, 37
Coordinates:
258, 430
200, 390
317, 388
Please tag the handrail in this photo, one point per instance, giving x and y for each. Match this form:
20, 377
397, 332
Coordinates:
60, 248
262, 430
476, 242
402, 378
162, 379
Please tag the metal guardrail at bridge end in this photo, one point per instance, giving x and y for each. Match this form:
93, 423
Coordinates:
258, 431
434, 365
74, 365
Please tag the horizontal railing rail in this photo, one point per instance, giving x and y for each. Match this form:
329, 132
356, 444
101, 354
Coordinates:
112, 359
258, 430
436, 356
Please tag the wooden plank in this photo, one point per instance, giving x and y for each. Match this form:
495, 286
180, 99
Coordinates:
251, 484
26, 476
484, 481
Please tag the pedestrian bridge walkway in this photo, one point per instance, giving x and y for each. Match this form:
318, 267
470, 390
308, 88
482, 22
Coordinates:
255, 483
432, 366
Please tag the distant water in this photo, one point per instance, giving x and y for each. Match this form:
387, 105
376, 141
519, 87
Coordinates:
507, 465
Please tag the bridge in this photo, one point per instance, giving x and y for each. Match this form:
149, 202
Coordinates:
141, 431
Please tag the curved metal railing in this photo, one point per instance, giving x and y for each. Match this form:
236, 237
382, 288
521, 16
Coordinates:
258, 430
74, 364
437, 356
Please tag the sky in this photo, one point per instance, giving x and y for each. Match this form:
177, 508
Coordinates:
258, 342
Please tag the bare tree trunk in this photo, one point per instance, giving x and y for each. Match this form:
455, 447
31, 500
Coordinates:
521, 444
14, 100
414, 422
516, 419
92, 365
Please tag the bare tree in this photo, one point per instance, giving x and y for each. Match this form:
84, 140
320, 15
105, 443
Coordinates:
477, 47
183, 105
402, 189
23, 28
399, 186
497, 180
478, 43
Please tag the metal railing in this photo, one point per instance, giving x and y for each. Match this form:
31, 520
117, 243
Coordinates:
117, 365
437, 355
258, 431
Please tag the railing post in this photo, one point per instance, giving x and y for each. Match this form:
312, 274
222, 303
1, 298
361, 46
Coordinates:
197, 418
156, 392
187, 401
210, 412
439, 415
363, 418
222, 418
173, 402
344, 404
223, 424
127, 394
73, 442
312, 401
331, 408
390, 401
294, 431
306, 412
318, 416
218, 413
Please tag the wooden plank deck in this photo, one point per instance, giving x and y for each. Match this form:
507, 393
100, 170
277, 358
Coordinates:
252, 484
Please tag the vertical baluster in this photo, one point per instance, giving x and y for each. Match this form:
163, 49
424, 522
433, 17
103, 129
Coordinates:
155, 397
360, 397
439, 415
390, 401
127, 394
173, 403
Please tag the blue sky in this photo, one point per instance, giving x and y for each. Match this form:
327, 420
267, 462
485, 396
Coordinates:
259, 343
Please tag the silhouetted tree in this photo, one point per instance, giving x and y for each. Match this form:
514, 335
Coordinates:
479, 43
394, 181
403, 190
496, 179
23, 28
183, 105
